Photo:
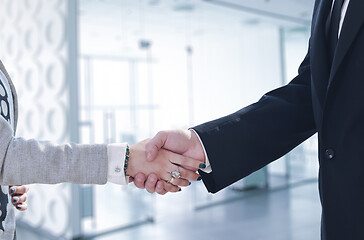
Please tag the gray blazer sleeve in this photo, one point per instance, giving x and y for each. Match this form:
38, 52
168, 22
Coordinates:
31, 161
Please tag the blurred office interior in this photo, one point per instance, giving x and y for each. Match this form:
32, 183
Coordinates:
103, 71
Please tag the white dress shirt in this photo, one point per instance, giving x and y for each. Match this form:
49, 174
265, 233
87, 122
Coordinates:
343, 13
344, 9
116, 159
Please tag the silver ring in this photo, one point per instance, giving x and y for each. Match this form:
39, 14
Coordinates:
176, 174
171, 180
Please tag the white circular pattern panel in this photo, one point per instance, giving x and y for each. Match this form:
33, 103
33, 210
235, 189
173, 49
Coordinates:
32, 80
32, 42
58, 3
57, 214
4, 108
55, 32
34, 48
33, 116
35, 215
11, 49
55, 76
56, 120
32, 6
2, 91
12, 11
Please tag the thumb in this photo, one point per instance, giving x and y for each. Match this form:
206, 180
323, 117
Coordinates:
153, 146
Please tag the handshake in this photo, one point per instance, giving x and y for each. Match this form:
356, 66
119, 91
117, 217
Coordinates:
166, 162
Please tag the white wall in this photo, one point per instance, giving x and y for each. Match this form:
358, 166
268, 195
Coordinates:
33, 47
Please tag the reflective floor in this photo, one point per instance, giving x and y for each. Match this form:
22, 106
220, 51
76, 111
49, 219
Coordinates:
280, 214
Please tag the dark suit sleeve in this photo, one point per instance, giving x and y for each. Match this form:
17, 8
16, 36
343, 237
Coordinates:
249, 139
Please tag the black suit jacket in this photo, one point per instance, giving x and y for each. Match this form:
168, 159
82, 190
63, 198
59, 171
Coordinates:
325, 98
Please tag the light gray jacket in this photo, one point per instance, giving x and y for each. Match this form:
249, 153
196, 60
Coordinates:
31, 161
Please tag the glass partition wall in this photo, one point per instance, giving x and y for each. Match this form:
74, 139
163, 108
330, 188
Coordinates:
152, 65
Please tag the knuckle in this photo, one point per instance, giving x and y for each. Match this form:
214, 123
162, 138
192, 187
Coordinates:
184, 161
189, 176
168, 187
149, 185
177, 182
174, 189
161, 133
183, 172
152, 180
160, 191
141, 177
139, 184
185, 183
150, 190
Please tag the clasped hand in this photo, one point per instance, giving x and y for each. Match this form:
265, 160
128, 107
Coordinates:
153, 161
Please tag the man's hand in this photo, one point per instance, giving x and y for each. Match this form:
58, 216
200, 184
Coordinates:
184, 142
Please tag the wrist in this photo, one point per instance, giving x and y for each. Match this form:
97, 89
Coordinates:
129, 171
126, 160
197, 145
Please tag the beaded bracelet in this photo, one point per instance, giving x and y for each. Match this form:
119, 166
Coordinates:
126, 158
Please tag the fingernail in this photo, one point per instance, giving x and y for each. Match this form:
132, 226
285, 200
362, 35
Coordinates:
202, 165
15, 200
18, 207
12, 190
179, 190
138, 179
152, 179
199, 178
149, 155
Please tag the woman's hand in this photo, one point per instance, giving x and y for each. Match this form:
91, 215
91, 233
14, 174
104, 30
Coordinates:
19, 196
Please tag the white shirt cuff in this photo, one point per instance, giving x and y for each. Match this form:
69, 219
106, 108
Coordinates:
116, 159
208, 168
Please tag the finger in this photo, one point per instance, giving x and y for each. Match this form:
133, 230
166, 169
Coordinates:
181, 182
151, 183
185, 174
189, 175
19, 199
131, 179
22, 207
139, 180
160, 188
156, 143
171, 188
16, 190
186, 162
